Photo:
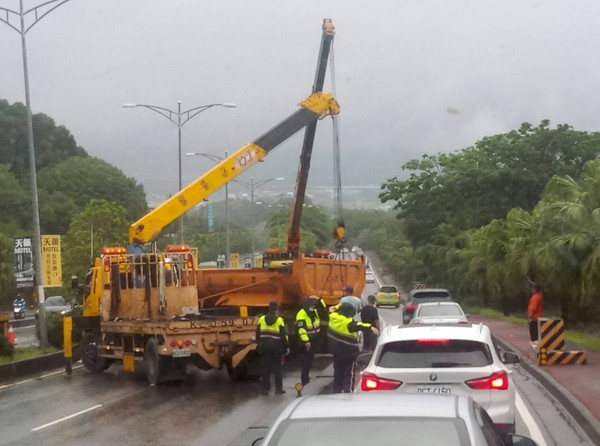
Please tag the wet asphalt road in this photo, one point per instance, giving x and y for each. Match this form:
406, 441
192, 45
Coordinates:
207, 409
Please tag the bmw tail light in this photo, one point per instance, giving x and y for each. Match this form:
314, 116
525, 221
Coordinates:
411, 307
496, 381
370, 381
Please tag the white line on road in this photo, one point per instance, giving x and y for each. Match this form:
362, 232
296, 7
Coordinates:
43, 426
532, 427
58, 372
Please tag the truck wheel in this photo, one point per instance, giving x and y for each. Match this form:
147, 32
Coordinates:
237, 374
89, 354
155, 364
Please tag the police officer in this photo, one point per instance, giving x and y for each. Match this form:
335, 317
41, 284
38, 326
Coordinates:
343, 341
272, 344
308, 323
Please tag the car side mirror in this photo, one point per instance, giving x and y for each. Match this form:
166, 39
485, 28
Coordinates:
510, 357
518, 440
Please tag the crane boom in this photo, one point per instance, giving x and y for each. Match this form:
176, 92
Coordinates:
148, 228
293, 243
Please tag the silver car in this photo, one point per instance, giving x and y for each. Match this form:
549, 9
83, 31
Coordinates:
386, 419
56, 304
448, 359
439, 313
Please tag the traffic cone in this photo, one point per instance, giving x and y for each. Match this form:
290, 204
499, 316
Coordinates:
11, 335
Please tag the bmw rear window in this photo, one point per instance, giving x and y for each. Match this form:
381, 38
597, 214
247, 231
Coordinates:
440, 310
434, 354
431, 295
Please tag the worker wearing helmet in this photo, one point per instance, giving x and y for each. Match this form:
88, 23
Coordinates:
343, 341
272, 344
308, 323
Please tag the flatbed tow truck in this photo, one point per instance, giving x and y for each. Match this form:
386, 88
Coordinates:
160, 309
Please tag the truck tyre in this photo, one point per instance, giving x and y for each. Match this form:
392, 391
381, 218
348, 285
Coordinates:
89, 354
154, 363
239, 373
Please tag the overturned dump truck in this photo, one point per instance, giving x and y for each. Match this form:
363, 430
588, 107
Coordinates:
158, 308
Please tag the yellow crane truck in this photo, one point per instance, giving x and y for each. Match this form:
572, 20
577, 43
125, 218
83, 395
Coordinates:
160, 309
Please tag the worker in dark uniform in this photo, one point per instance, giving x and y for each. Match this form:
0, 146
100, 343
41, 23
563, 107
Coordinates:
343, 341
272, 344
308, 323
370, 315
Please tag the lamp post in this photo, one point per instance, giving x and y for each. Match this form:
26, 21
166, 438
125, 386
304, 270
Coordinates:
218, 159
176, 118
38, 13
254, 186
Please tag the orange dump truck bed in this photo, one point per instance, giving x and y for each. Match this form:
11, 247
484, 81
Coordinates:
256, 287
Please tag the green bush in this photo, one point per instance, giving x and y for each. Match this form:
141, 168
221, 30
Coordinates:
54, 328
6, 348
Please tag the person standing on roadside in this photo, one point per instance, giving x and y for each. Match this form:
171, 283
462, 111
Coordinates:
347, 297
535, 310
343, 340
308, 323
370, 315
272, 344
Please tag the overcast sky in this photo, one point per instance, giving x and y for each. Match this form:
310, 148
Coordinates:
412, 77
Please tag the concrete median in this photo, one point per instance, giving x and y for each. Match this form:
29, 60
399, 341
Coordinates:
34, 366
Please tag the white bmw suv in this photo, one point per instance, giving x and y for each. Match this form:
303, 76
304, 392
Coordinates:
444, 359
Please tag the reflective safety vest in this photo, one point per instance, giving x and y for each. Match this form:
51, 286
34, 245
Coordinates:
272, 331
343, 329
307, 328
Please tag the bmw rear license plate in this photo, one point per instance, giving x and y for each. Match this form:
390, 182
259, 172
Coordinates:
435, 389
181, 353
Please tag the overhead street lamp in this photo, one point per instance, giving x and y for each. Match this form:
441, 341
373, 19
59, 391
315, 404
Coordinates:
276, 202
37, 13
218, 159
180, 118
254, 186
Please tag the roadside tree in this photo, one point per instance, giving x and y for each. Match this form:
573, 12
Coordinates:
101, 223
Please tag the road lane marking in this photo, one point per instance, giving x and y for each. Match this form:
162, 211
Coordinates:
58, 372
68, 417
532, 427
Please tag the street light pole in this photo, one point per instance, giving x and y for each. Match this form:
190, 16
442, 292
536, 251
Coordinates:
39, 12
227, 246
218, 159
253, 219
187, 114
253, 187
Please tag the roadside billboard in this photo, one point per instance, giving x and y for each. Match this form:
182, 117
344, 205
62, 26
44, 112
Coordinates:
24, 271
234, 260
51, 260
